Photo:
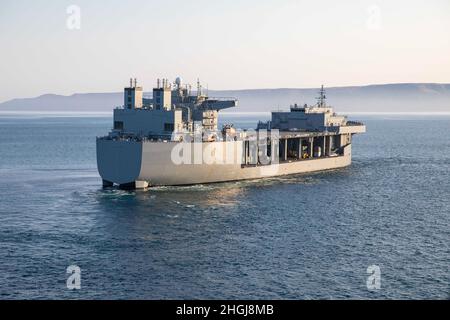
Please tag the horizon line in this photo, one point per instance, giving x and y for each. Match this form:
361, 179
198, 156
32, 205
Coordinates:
107, 113
247, 89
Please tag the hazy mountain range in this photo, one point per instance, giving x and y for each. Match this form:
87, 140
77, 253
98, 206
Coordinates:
407, 97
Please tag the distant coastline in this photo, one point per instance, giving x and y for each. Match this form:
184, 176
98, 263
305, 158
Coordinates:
225, 115
421, 98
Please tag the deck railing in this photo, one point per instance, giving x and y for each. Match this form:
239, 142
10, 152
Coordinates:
354, 123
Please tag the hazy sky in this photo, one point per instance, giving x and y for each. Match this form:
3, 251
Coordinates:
229, 44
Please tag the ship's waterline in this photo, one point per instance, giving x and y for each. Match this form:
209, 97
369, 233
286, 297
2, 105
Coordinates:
154, 164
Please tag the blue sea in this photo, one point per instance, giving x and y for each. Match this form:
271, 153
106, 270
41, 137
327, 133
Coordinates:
310, 236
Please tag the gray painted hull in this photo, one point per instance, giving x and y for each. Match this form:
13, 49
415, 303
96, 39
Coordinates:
125, 162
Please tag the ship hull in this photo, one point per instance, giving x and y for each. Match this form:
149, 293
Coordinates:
138, 164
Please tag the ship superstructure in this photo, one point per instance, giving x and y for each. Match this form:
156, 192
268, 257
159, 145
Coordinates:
172, 108
173, 138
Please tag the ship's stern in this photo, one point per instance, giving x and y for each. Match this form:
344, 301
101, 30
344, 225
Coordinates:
119, 162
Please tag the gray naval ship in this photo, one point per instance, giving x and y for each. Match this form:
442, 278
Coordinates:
172, 138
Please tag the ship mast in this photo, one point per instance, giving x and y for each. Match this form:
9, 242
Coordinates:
199, 88
321, 98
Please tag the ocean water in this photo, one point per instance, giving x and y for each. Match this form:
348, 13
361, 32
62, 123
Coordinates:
309, 236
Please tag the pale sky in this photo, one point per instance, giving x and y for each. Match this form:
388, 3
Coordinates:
229, 44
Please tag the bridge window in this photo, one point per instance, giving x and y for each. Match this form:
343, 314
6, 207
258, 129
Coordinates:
118, 125
168, 127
